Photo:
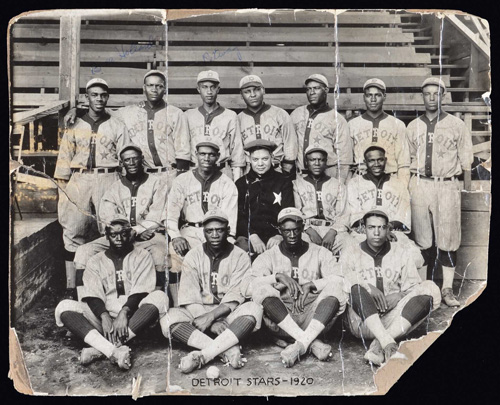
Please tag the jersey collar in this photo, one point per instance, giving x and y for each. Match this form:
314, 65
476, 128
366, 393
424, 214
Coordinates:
384, 249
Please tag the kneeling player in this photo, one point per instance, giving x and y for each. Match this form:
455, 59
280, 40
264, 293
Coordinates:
298, 286
210, 299
118, 301
388, 299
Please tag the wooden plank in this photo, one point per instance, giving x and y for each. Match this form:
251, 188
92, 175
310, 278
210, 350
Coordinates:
480, 201
288, 54
296, 17
481, 147
143, 15
185, 76
24, 117
475, 228
473, 37
472, 263
286, 34
97, 53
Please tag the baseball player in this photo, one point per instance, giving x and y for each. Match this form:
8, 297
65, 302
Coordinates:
160, 130
318, 124
194, 193
262, 193
440, 149
376, 127
86, 167
139, 196
217, 122
210, 299
118, 300
388, 299
322, 200
264, 121
298, 286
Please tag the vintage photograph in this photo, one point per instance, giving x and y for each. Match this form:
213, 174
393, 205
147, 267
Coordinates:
248, 202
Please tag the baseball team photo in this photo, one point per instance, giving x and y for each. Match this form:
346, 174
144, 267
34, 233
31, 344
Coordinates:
244, 202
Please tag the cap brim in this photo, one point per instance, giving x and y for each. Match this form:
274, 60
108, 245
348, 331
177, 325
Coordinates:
317, 81
215, 218
378, 86
251, 84
208, 144
295, 218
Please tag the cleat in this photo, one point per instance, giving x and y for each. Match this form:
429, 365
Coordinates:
89, 355
192, 361
292, 354
449, 298
375, 354
391, 352
321, 350
121, 357
280, 342
232, 356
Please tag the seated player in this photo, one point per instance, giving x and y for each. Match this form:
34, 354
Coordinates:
388, 298
298, 286
210, 299
118, 301
137, 196
192, 194
262, 194
379, 190
322, 200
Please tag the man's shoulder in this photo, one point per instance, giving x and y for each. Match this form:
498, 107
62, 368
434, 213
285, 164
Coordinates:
172, 109
393, 120
299, 110
415, 122
455, 121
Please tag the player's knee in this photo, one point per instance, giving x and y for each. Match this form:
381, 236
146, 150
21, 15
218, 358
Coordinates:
262, 291
430, 288
177, 315
64, 306
447, 258
253, 309
159, 299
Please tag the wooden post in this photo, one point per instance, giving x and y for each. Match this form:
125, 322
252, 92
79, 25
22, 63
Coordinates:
69, 63
467, 173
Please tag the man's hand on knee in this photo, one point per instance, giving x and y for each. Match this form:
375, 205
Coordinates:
180, 246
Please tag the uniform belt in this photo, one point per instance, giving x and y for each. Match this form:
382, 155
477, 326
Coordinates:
437, 178
318, 222
97, 170
195, 224
156, 169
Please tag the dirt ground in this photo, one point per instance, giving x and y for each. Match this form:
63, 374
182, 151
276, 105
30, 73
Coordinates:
52, 360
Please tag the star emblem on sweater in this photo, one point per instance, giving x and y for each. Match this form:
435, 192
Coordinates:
441, 154
317, 140
104, 155
277, 198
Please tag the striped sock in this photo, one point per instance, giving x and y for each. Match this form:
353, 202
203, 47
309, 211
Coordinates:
242, 326
76, 323
146, 315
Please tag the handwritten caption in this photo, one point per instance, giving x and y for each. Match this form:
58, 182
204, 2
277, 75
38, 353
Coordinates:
217, 54
251, 381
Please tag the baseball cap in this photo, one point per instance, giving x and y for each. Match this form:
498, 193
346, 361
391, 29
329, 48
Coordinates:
290, 213
217, 214
374, 83
374, 147
96, 82
317, 78
208, 75
436, 81
260, 144
313, 148
155, 73
208, 141
119, 219
129, 146
251, 80
377, 213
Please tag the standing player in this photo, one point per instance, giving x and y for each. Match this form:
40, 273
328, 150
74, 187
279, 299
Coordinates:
262, 193
322, 200
388, 299
141, 198
194, 193
298, 286
375, 127
441, 149
219, 123
318, 124
118, 300
210, 299
86, 167
264, 121
160, 130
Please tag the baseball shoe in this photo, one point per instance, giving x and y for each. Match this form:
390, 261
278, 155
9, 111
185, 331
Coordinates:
375, 354
280, 342
449, 298
89, 354
292, 354
192, 361
391, 352
322, 351
233, 357
121, 357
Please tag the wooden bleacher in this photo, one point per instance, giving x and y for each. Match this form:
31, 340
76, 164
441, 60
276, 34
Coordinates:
282, 47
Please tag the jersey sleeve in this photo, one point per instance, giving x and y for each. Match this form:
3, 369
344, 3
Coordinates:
341, 211
402, 153
156, 210
92, 283
262, 270
296, 196
144, 275
236, 143
67, 151
190, 285
110, 205
180, 135
241, 267
174, 206
290, 141
229, 205
343, 142
353, 204
465, 154
409, 275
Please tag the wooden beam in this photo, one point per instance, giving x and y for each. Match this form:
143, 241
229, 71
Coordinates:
473, 37
482, 32
24, 117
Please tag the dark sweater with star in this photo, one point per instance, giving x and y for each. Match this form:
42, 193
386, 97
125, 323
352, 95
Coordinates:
260, 199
